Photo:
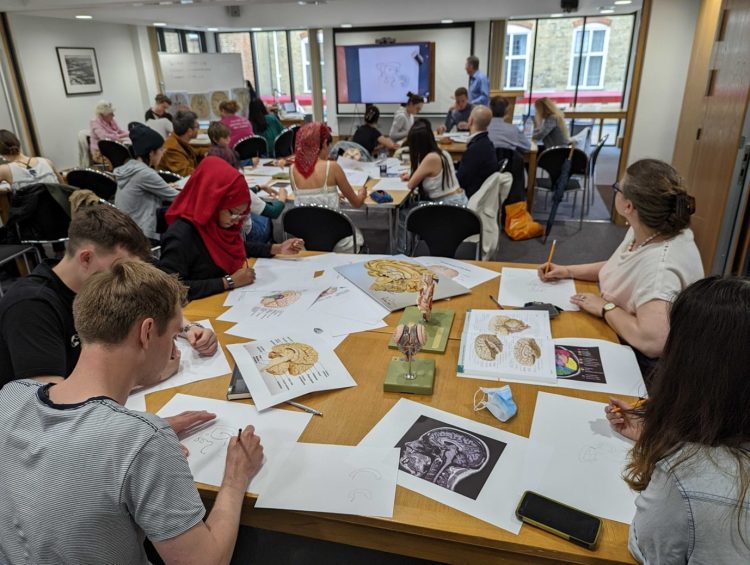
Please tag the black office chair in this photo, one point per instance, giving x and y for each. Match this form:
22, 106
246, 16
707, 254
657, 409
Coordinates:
100, 183
283, 145
515, 166
443, 227
294, 129
40, 214
551, 161
320, 227
116, 152
169, 176
251, 146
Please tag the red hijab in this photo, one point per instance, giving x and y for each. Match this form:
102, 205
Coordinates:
214, 186
310, 140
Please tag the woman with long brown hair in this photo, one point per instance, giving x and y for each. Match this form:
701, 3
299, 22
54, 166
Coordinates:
549, 124
691, 459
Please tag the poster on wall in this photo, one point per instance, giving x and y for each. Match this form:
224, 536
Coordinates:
80, 70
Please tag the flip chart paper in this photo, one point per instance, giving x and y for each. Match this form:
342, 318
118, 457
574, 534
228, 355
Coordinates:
519, 286
587, 460
335, 478
277, 429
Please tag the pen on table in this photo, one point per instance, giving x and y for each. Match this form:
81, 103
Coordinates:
305, 408
551, 254
638, 404
496, 302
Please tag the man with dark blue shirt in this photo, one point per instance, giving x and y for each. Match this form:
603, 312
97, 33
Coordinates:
480, 160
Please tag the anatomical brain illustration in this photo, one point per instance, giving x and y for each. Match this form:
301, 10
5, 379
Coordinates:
504, 325
392, 275
280, 299
291, 358
447, 272
487, 346
527, 351
444, 456
217, 97
200, 105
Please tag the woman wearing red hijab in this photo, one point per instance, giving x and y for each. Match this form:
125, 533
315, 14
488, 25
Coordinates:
204, 243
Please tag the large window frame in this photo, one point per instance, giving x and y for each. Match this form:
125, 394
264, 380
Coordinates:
581, 50
511, 33
182, 35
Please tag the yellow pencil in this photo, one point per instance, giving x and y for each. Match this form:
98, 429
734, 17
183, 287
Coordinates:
551, 254
638, 404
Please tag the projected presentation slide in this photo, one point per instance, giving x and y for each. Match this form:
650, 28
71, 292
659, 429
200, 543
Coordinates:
382, 73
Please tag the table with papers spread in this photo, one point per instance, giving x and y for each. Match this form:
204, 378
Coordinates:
420, 527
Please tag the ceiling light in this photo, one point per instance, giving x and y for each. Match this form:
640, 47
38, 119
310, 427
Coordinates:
165, 3
256, 29
83, 17
556, 15
212, 29
186, 1
606, 11
623, 2
346, 25
159, 24
446, 21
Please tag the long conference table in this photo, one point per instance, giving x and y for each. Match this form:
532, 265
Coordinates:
420, 527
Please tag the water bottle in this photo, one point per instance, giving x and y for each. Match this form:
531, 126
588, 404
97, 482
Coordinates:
383, 158
528, 127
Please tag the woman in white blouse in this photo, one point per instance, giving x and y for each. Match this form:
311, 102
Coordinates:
403, 119
657, 259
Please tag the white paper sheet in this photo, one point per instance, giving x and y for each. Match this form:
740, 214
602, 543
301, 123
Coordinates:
342, 298
519, 286
518, 332
253, 180
620, 367
588, 458
277, 430
274, 305
271, 276
275, 372
193, 368
265, 171
356, 178
484, 478
391, 183
465, 274
335, 478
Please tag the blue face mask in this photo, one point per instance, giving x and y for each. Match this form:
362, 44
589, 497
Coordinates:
499, 401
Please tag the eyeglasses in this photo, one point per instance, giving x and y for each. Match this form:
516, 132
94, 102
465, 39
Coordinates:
616, 188
236, 217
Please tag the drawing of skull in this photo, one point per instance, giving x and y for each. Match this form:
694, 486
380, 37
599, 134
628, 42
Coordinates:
444, 456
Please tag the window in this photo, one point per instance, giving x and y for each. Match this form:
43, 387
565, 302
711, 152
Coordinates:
273, 66
181, 41
241, 43
301, 70
516, 56
589, 51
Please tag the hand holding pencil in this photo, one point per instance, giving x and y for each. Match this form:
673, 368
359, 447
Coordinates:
622, 420
548, 271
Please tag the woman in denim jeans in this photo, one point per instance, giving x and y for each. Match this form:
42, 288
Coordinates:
691, 459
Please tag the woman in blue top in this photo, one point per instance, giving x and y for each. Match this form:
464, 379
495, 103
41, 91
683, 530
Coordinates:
264, 124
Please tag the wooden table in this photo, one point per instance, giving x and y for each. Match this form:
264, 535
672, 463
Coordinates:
420, 527
457, 149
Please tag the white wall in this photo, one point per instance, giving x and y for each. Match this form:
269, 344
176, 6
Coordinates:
665, 67
57, 118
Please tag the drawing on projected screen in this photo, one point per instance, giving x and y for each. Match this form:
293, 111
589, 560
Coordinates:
392, 275
389, 74
505, 325
280, 299
599, 452
366, 471
527, 351
216, 435
448, 456
487, 347
291, 358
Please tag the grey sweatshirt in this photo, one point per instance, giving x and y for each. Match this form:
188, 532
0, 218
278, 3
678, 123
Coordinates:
140, 192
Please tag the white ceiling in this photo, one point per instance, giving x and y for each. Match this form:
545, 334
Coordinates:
280, 14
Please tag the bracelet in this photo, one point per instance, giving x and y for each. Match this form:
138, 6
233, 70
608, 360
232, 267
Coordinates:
230, 281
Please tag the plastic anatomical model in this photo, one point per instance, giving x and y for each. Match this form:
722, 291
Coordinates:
410, 339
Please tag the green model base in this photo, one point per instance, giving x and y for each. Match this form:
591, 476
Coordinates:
438, 328
396, 381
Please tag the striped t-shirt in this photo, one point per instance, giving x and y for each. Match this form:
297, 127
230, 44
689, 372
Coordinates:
83, 483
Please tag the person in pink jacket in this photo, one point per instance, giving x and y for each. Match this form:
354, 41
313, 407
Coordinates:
104, 126
239, 126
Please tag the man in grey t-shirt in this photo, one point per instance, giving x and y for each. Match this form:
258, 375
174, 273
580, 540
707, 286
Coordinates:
84, 479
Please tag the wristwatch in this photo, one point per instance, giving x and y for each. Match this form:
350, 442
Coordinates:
230, 281
186, 328
608, 307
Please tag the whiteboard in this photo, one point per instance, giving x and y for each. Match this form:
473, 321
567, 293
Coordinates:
452, 46
201, 72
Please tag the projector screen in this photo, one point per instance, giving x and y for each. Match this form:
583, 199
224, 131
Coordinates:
385, 73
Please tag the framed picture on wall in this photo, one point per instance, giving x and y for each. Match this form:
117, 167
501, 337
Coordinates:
80, 70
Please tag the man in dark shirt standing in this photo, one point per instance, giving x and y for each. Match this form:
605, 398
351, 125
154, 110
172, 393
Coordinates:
38, 339
480, 160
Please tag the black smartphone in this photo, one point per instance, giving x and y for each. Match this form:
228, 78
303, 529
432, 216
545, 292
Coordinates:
560, 519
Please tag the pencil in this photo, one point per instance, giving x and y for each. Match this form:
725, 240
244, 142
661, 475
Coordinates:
496, 302
551, 254
638, 404
239, 435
